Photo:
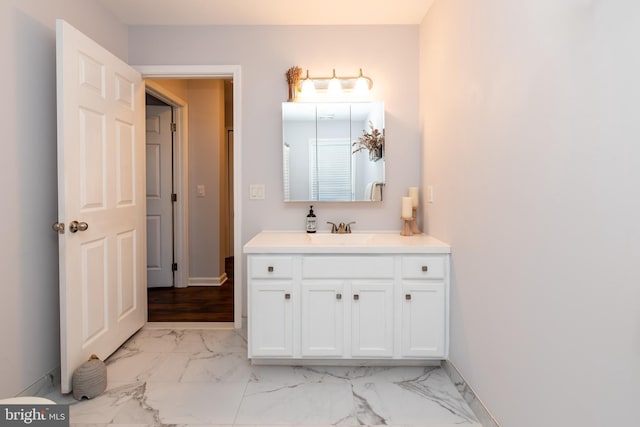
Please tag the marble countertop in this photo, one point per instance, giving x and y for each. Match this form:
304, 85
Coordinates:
357, 243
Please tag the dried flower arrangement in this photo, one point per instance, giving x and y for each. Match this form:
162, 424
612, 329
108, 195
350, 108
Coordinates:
293, 79
372, 141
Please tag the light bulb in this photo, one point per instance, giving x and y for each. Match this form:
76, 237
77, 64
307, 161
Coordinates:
335, 88
362, 86
308, 88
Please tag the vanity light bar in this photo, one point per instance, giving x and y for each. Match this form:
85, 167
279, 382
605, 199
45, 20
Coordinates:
347, 83
332, 85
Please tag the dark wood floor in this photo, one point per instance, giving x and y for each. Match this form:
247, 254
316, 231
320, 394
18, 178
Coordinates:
194, 303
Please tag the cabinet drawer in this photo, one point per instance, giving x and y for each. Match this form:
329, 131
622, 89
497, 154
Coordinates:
271, 267
423, 267
347, 267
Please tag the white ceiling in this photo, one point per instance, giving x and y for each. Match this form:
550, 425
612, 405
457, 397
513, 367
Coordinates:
268, 12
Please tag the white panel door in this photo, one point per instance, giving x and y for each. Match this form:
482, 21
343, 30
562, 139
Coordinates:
423, 319
101, 171
159, 189
322, 320
372, 319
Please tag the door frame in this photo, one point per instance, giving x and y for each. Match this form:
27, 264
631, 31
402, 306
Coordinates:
212, 72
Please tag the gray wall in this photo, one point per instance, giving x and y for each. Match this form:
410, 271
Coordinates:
531, 141
388, 54
206, 127
29, 304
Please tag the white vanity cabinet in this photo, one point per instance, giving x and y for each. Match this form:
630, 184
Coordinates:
386, 299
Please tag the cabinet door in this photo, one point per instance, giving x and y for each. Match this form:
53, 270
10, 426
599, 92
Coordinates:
322, 318
372, 319
271, 318
423, 319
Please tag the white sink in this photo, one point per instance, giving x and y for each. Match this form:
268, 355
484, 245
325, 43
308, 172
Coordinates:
352, 239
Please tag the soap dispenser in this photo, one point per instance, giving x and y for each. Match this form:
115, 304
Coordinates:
312, 224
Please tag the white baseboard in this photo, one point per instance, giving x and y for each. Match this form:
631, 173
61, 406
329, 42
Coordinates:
477, 406
189, 325
343, 362
47, 384
208, 281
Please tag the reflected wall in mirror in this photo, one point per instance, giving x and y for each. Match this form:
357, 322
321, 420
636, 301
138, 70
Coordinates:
319, 163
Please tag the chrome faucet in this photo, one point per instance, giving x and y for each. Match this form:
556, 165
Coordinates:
342, 228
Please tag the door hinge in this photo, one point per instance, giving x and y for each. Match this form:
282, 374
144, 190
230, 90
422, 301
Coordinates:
174, 266
174, 197
174, 127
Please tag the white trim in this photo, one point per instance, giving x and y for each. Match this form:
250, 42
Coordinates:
45, 385
345, 362
188, 71
208, 281
180, 178
467, 392
188, 325
219, 71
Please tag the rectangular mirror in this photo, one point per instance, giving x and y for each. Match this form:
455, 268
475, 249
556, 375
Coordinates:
322, 160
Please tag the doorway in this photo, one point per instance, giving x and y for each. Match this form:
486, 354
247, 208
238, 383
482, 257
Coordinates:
159, 177
199, 295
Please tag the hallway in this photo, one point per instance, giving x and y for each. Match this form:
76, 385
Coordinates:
193, 303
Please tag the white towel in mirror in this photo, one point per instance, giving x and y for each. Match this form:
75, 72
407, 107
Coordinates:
373, 192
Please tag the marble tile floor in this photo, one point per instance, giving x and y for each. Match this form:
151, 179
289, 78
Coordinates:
203, 377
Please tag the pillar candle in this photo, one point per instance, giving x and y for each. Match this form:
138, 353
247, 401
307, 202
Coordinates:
413, 193
407, 207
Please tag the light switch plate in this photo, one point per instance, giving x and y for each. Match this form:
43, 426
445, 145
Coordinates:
200, 190
430, 194
256, 192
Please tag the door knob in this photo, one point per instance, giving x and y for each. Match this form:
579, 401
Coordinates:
75, 226
58, 227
